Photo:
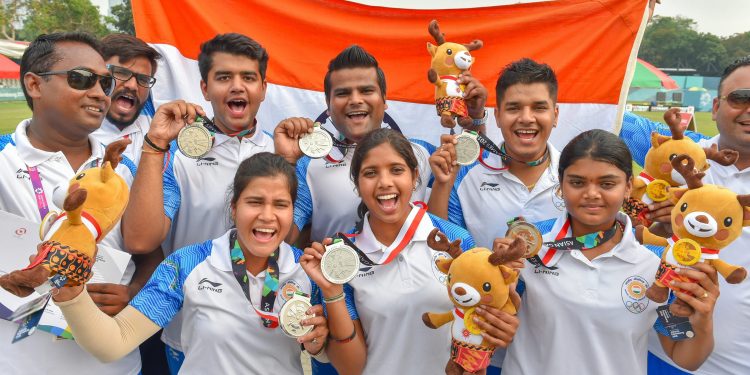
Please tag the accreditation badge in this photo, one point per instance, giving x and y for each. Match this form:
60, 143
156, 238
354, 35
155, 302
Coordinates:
529, 233
292, 313
340, 263
657, 190
686, 251
194, 140
467, 148
317, 144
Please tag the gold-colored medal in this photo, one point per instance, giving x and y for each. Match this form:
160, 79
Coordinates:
657, 190
686, 251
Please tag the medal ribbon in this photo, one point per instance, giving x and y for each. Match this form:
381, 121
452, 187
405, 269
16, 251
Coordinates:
402, 239
270, 284
211, 127
584, 242
646, 176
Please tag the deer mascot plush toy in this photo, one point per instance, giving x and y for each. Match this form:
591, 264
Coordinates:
705, 219
652, 183
448, 61
95, 201
475, 277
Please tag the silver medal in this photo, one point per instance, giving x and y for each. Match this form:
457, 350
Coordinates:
194, 140
316, 144
340, 263
292, 313
467, 148
528, 233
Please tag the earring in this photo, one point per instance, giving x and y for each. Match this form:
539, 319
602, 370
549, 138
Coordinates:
415, 188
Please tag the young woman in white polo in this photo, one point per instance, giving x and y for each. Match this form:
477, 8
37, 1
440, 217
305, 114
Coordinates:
584, 306
229, 289
383, 330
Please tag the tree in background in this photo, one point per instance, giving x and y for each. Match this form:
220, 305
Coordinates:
10, 15
673, 42
47, 16
122, 18
737, 45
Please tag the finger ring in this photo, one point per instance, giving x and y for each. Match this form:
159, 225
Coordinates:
705, 295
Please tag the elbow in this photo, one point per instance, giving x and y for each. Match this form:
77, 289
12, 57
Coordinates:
139, 246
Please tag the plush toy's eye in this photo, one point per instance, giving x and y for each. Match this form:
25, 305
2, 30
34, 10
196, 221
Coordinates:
80, 176
728, 222
486, 287
672, 156
683, 207
449, 51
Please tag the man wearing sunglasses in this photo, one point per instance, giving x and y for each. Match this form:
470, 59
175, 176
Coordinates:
132, 63
67, 86
731, 111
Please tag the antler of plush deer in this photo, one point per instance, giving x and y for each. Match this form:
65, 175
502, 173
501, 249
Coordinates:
434, 30
744, 199
672, 118
687, 170
474, 45
515, 251
724, 157
442, 244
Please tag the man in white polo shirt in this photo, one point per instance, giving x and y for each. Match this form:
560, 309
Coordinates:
133, 64
177, 200
731, 111
355, 90
67, 86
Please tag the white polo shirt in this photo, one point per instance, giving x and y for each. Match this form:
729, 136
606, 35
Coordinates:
109, 132
223, 334
483, 200
732, 310
41, 353
586, 317
327, 199
389, 301
197, 194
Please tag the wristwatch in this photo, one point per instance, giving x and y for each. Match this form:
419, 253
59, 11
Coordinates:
480, 121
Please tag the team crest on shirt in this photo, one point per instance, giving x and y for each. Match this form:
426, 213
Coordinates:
634, 294
439, 275
288, 289
557, 199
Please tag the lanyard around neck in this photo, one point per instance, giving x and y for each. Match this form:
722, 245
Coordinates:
270, 284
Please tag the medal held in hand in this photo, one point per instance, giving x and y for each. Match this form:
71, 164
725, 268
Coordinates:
657, 190
340, 263
467, 148
292, 313
528, 233
194, 140
687, 252
317, 144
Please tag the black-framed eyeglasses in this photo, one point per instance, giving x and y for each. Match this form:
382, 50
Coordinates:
738, 99
84, 79
124, 74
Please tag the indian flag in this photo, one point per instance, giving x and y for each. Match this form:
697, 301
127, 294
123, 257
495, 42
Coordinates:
591, 45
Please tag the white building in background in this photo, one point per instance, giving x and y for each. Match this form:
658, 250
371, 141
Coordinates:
105, 6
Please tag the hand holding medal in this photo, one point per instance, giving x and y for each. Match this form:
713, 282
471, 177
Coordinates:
169, 120
288, 135
528, 232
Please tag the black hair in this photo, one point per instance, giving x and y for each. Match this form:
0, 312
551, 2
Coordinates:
234, 44
525, 71
374, 139
263, 164
42, 54
599, 145
127, 48
353, 56
739, 63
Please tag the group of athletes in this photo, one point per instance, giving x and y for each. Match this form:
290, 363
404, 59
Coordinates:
213, 235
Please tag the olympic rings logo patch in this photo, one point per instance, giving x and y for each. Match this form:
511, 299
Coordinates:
634, 294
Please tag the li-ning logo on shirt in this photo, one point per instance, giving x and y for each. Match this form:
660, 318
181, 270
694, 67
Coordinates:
492, 186
365, 271
22, 174
209, 285
206, 161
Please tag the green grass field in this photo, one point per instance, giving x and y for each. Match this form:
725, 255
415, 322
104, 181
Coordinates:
11, 113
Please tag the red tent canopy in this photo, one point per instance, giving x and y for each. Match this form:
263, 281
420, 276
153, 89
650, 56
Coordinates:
9, 69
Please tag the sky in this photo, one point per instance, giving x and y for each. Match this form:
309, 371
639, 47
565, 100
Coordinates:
719, 17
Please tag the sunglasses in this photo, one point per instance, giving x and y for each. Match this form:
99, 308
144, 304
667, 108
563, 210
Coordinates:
738, 99
84, 79
124, 74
